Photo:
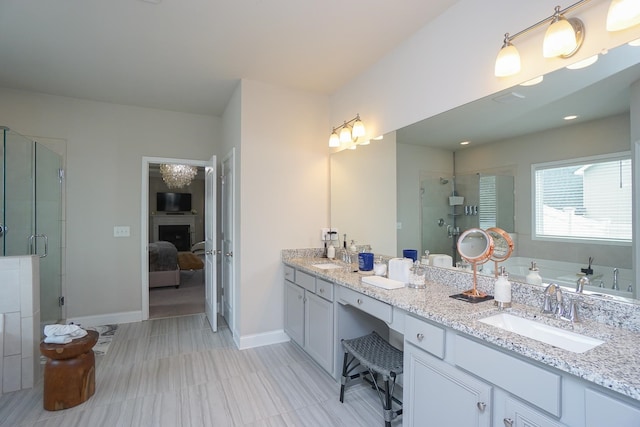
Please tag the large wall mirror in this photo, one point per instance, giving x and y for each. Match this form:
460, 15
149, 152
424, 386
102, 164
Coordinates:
440, 188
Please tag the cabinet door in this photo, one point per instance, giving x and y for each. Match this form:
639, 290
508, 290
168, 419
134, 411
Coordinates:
604, 410
319, 330
438, 394
520, 415
294, 312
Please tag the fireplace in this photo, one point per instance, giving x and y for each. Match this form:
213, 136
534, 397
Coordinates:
177, 229
179, 235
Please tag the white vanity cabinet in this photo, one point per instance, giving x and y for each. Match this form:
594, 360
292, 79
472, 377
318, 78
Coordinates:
435, 392
438, 394
309, 315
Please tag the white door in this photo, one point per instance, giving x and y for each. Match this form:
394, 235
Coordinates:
211, 300
227, 219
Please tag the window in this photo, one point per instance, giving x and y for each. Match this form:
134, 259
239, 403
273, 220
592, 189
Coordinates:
586, 199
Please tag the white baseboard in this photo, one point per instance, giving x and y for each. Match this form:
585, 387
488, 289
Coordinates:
259, 340
107, 319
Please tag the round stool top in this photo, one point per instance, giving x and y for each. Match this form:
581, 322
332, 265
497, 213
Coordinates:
73, 349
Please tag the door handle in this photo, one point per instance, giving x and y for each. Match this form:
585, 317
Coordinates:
229, 254
208, 252
32, 239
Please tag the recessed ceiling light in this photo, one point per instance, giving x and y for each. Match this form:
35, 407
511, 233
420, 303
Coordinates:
533, 81
465, 142
584, 63
572, 117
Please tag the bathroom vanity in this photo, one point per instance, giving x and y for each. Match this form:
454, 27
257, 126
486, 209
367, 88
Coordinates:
461, 371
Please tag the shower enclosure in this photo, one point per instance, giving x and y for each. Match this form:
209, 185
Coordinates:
31, 212
452, 204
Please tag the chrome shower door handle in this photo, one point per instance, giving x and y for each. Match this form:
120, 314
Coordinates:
32, 240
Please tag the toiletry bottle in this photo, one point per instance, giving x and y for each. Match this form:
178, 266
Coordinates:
534, 276
353, 247
424, 260
331, 251
502, 290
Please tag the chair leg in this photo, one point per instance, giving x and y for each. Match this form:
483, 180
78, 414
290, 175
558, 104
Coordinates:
388, 409
344, 376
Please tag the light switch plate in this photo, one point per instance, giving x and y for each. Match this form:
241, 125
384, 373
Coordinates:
121, 231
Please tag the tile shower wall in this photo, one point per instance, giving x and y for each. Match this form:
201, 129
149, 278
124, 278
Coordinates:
20, 310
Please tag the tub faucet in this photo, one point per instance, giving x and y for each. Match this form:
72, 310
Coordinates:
615, 280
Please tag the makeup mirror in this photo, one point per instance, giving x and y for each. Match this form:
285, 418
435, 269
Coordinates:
476, 247
502, 246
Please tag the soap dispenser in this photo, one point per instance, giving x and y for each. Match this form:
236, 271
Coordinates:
502, 290
534, 276
331, 251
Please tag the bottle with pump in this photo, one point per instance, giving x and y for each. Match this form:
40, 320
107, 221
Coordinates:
331, 251
502, 290
534, 275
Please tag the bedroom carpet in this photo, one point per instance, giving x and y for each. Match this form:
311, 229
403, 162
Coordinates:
187, 299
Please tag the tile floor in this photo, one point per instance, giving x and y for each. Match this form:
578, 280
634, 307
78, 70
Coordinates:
177, 372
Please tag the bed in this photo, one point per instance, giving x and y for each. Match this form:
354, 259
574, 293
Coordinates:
163, 265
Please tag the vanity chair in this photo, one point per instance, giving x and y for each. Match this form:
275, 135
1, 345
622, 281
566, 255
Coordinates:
378, 358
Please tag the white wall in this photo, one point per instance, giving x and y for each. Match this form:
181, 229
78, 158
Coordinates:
105, 144
284, 194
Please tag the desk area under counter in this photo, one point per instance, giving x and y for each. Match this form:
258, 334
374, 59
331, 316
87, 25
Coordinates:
451, 358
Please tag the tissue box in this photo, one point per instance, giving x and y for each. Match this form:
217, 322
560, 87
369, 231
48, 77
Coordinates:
456, 200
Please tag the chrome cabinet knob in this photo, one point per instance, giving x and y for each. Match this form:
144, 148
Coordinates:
359, 301
228, 254
420, 336
481, 406
322, 290
508, 422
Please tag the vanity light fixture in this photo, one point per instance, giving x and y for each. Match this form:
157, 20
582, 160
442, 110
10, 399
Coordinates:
349, 132
623, 14
562, 39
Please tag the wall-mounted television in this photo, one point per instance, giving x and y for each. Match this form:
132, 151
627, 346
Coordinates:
173, 202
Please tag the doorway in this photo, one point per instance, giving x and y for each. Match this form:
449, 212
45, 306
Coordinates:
176, 216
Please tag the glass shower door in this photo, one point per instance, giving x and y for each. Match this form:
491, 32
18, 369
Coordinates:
17, 202
31, 212
48, 231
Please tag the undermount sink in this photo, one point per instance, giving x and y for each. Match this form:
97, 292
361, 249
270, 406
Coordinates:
327, 266
551, 335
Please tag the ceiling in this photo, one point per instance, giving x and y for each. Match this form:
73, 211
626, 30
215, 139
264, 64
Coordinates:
598, 91
188, 55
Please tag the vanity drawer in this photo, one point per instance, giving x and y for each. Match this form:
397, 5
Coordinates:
306, 280
290, 273
324, 289
424, 335
530, 382
376, 308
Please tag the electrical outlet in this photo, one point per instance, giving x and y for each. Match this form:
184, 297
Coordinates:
121, 231
324, 234
334, 234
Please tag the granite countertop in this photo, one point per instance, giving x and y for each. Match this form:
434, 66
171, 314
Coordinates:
614, 365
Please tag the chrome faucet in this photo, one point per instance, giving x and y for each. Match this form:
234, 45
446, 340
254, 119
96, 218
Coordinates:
559, 310
615, 280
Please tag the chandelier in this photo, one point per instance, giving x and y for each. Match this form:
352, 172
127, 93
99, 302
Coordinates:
177, 176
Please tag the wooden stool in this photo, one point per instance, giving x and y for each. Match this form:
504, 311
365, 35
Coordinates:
70, 372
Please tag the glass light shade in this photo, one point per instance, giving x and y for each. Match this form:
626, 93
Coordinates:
345, 135
358, 129
623, 14
560, 39
177, 176
334, 140
508, 61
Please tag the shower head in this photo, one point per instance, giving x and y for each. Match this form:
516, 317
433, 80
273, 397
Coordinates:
443, 181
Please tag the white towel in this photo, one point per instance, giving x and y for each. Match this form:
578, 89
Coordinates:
58, 339
62, 334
